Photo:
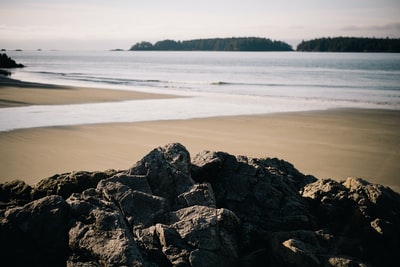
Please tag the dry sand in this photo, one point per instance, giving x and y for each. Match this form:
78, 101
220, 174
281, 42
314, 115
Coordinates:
327, 144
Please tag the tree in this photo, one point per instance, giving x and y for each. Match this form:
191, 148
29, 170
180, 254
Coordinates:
217, 44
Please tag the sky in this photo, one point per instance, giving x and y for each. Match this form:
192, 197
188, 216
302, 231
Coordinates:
107, 24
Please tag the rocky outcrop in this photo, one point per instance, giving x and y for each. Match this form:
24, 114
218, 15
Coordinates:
215, 209
7, 62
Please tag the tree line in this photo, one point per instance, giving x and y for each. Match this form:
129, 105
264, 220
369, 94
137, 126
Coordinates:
216, 44
350, 44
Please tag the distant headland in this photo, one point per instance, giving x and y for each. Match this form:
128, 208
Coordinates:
216, 44
350, 44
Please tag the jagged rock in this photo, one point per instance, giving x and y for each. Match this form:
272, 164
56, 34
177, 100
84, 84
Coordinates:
208, 233
355, 214
344, 262
264, 197
36, 234
167, 170
7, 62
139, 209
217, 210
198, 194
134, 182
67, 183
298, 253
99, 233
15, 192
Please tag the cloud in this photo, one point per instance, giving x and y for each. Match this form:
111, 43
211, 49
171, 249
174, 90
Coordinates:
383, 27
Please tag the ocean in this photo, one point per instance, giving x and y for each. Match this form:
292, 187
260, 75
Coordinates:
211, 83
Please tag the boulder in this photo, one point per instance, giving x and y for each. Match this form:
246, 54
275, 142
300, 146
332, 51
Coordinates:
98, 233
15, 193
167, 170
140, 209
73, 182
356, 214
36, 234
262, 195
207, 236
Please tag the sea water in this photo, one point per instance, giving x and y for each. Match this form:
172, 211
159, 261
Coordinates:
212, 83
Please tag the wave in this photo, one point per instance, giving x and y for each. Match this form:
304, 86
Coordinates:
194, 85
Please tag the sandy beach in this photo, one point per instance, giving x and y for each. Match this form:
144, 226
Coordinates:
334, 144
15, 93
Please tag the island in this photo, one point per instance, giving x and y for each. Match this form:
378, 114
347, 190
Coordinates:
350, 44
215, 44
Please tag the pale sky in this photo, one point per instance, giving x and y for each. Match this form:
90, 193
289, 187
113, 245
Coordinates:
107, 24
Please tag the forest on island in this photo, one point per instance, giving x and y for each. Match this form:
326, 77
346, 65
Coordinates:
350, 44
216, 44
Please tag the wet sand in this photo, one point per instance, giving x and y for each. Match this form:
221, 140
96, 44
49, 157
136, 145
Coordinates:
14, 93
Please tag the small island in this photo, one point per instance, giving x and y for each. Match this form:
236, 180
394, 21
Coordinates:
350, 44
215, 44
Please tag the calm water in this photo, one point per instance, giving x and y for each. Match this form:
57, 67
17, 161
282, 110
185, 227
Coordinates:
217, 83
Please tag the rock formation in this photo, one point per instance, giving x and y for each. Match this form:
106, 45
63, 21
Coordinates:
213, 210
7, 62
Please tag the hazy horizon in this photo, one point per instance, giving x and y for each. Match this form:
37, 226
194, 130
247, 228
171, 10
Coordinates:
103, 25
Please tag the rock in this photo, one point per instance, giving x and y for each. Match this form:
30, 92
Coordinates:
207, 235
167, 170
298, 253
99, 234
344, 262
36, 234
67, 183
134, 182
198, 194
261, 195
356, 213
15, 192
139, 209
5, 72
214, 210
6, 62
173, 246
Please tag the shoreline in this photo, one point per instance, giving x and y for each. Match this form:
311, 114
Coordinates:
336, 143
16, 93
333, 143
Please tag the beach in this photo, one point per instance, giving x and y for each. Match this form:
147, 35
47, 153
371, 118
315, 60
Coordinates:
16, 93
335, 143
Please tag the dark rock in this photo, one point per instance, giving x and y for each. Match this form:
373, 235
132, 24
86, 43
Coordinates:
198, 194
217, 210
356, 214
5, 72
67, 183
36, 234
6, 62
15, 192
257, 191
139, 209
207, 236
99, 234
167, 170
